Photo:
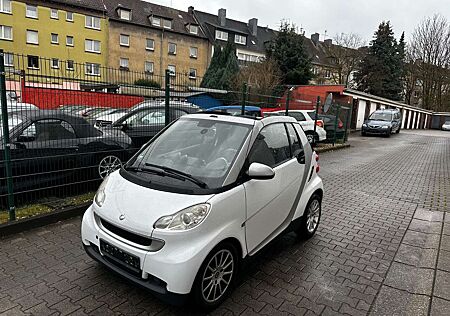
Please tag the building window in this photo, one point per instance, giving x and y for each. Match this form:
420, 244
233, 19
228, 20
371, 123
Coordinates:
92, 69
193, 29
9, 59
69, 40
193, 52
55, 63
172, 70
123, 63
32, 37
70, 65
5, 6
54, 38
92, 22
156, 21
172, 49
125, 14
92, 46
5, 32
192, 73
69, 16
327, 73
33, 62
221, 35
148, 67
248, 57
239, 39
167, 24
31, 12
150, 44
54, 14
124, 40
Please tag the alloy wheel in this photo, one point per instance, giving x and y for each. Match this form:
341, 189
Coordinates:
313, 216
217, 276
107, 165
310, 138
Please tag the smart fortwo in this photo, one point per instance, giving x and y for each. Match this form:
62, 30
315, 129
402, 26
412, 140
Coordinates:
201, 196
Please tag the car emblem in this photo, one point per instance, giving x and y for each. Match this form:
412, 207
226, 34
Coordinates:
122, 217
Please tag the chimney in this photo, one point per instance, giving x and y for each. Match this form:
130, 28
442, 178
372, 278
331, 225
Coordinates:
191, 10
253, 26
222, 15
315, 38
328, 41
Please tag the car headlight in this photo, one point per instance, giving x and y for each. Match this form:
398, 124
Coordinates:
364, 125
185, 219
385, 127
100, 196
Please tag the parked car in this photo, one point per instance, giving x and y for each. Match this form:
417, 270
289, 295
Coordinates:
74, 109
108, 118
144, 123
13, 104
181, 216
159, 102
253, 111
446, 126
382, 122
329, 124
48, 147
307, 123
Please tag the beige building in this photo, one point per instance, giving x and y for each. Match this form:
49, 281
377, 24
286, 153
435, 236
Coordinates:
148, 38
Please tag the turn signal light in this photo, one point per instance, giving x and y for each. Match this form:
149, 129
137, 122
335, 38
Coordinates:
317, 157
317, 168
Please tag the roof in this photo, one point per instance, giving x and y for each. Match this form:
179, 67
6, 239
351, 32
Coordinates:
209, 22
141, 10
230, 107
317, 52
96, 5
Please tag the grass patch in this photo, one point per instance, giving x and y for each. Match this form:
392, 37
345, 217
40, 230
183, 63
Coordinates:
46, 206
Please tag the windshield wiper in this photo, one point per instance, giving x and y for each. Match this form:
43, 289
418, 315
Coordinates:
185, 176
147, 170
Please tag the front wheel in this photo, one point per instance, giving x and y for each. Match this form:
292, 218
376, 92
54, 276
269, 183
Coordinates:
108, 164
311, 138
311, 218
398, 131
215, 277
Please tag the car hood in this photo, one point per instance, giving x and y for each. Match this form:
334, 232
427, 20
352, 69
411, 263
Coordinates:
141, 206
110, 117
378, 123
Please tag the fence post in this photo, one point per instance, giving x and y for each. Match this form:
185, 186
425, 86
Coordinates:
336, 124
288, 97
244, 93
167, 97
347, 124
315, 119
6, 140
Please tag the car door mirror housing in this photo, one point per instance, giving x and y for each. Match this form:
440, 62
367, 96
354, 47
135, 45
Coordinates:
260, 171
301, 157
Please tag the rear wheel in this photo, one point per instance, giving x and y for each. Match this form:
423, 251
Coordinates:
215, 277
311, 218
108, 164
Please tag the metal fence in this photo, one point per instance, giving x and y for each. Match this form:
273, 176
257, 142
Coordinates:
96, 118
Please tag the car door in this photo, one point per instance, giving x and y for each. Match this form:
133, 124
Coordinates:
270, 203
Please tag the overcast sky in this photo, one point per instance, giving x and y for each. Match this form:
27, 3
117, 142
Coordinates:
332, 16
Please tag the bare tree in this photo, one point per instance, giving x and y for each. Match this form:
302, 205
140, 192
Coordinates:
345, 54
430, 54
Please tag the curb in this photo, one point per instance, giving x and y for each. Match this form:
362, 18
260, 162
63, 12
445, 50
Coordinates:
25, 224
332, 148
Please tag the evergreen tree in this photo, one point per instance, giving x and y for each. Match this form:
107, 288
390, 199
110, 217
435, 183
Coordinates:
381, 71
223, 67
288, 51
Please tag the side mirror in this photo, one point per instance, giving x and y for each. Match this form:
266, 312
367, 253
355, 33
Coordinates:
124, 126
260, 172
301, 157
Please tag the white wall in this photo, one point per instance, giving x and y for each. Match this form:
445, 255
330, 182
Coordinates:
361, 112
414, 120
373, 107
403, 118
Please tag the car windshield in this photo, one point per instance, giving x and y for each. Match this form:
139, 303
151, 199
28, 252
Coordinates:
201, 148
447, 123
381, 116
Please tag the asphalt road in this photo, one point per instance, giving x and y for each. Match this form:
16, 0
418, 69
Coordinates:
382, 248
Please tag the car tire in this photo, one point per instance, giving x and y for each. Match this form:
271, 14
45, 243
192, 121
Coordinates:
310, 137
398, 131
388, 134
215, 279
108, 164
311, 219
363, 133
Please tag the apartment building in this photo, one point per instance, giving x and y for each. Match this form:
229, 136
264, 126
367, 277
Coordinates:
72, 36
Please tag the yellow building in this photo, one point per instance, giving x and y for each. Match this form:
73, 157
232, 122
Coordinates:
59, 38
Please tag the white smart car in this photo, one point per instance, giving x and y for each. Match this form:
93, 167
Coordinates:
205, 193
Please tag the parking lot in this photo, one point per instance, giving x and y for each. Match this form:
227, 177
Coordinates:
382, 248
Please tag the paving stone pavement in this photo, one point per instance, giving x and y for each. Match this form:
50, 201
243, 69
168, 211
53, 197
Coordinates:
382, 248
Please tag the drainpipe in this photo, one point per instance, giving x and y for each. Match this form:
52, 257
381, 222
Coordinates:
161, 68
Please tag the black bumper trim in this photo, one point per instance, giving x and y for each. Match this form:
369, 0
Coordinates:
157, 290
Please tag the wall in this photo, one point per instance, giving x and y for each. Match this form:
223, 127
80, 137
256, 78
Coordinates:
137, 53
45, 26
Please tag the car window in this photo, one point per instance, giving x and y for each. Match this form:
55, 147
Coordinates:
296, 145
380, 116
298, 116
178, 113
271, 146
46, 130
147, 117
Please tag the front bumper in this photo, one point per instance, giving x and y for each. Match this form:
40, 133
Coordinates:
446, 128
372, 130
168, 272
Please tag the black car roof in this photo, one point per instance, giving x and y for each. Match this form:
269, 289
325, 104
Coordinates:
82, 127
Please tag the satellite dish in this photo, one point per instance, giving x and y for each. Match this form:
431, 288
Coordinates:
327, 104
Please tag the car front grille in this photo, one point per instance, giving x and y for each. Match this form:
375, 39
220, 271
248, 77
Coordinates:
135, 238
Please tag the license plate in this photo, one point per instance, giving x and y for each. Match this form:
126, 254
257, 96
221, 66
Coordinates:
120, 255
